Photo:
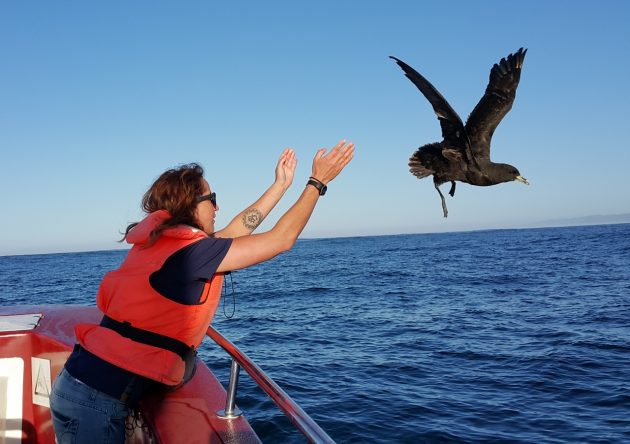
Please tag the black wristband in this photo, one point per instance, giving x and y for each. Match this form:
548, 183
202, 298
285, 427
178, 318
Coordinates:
317, 184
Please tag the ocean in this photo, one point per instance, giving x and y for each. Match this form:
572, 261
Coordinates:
515, 336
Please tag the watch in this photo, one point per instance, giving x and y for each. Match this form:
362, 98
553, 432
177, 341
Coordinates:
317, 184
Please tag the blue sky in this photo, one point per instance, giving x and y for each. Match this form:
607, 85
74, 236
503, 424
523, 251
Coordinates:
98, 98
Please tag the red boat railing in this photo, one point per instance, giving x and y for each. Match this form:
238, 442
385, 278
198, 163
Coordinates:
304, 423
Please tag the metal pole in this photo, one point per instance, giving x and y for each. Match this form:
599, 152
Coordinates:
230, 410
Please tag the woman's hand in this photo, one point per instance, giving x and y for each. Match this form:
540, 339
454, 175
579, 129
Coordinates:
327, 166
285, 169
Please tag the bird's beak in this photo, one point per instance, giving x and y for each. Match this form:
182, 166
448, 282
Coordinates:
522, 179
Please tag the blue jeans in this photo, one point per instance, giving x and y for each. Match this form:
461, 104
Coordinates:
82, 414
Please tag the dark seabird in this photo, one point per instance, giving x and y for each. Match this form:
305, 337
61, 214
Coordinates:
464, 154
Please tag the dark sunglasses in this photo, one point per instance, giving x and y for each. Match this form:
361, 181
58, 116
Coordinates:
212, 197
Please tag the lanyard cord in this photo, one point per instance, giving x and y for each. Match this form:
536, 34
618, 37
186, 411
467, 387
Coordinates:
225, 295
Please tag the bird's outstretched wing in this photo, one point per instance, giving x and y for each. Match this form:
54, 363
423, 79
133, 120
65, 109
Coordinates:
495, 103
453, 130
452, 126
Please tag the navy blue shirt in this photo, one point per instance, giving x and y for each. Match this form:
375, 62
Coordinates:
183, 276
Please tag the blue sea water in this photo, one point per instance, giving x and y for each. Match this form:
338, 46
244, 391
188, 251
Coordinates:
516, 336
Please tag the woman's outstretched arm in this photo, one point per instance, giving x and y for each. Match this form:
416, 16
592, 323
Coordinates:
251, 217
256, 248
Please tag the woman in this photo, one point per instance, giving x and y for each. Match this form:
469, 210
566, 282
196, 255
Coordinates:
157, 306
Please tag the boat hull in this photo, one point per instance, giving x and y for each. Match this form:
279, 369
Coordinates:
32, 355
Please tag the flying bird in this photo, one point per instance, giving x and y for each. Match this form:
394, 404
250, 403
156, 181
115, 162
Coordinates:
464, 154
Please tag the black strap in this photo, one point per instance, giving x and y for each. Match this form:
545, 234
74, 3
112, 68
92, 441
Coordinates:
148, 337
317, 184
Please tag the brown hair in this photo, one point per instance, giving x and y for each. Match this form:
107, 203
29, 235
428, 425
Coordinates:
176, 191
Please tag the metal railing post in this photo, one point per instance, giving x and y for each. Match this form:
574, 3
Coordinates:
304, 423
230, 410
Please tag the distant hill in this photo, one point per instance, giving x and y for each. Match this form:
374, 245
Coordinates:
597, 219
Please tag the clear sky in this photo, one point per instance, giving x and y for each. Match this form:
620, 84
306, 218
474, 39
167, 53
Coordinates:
98, 98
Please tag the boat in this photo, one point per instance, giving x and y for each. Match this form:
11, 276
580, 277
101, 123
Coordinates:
35, 342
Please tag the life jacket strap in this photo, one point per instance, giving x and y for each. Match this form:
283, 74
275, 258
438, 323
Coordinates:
148, 337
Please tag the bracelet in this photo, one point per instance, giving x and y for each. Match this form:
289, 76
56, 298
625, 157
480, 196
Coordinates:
317, 184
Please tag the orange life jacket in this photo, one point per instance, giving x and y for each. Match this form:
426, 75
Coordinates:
125, 295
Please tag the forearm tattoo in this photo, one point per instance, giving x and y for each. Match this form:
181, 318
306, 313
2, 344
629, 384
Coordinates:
252, 218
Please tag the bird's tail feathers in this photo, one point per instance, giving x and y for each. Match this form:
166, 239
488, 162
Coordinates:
418, 169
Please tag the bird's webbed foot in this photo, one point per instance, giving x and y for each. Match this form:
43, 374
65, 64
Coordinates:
452, 190
444, 209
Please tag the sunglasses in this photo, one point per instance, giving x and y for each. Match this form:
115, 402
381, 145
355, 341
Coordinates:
212, 197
